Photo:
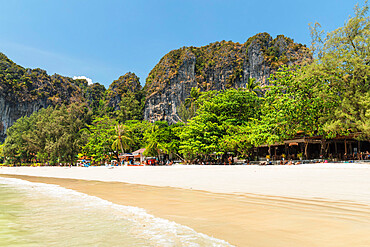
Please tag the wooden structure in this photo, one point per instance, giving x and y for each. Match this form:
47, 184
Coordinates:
135, 158
315, 147
139, 155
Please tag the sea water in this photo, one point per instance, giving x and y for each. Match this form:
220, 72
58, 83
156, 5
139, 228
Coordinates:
37, 214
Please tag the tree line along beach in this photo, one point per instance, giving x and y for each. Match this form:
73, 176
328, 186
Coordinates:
261, 143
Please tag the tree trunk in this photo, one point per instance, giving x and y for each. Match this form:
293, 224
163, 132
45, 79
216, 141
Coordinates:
117, 156
306, 150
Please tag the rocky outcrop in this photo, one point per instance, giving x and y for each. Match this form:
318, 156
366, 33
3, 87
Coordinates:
24, 91
217, 66
94, 94
126, 84
161, 105
11, 111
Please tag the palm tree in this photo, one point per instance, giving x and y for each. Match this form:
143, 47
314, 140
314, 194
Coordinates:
253, 86
122, 139
194, 95
188, 108
153, 146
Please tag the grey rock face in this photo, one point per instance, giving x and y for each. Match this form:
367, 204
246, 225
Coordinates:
126, 84
255, 65
114, 102
11, 111
24, 91
218, 66
161, 106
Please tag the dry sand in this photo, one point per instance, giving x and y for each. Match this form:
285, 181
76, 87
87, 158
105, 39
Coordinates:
307, 205
328, 181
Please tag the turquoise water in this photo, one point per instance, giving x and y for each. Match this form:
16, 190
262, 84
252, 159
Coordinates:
36, 214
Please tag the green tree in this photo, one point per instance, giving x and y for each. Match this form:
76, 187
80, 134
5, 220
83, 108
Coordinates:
293, 103
253, 85
15, 147
155, 138
96, 94
162, 139
1, 153
136, 131
343, 64
71, 142
216, 123
52, 135
121, 139
100, 135
131, 107
187, 109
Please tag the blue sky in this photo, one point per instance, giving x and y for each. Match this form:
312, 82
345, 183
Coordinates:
105, 39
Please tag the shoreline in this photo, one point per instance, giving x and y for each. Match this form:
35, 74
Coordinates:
333, 182
240, 219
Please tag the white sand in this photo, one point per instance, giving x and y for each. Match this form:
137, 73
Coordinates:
349, 182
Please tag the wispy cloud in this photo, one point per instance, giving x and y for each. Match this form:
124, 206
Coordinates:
35, 51
57, 62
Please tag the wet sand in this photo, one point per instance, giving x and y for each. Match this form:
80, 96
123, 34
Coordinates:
239, 218
336, 182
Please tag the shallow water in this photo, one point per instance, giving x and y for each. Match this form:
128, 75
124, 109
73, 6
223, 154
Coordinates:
37, 214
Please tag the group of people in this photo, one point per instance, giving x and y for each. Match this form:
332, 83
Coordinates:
353, 156
357, 156
155, 162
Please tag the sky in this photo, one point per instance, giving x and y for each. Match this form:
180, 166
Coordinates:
104, 39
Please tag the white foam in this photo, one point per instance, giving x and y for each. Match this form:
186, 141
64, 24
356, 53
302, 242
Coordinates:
160, 231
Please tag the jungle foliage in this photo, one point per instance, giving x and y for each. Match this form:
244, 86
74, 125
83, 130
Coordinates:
329, 97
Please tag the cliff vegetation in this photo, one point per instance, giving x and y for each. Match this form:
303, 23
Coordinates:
225, 59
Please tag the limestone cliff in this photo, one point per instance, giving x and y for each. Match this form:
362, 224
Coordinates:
24, 91
123, 86
217, 66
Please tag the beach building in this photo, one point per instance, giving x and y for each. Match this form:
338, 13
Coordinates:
316, 147
135, 158
139, 156
125, 158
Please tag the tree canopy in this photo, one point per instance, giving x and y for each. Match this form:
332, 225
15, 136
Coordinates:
328, 97
50, 135
343, 65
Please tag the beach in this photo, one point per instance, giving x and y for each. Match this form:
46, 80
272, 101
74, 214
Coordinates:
305, 205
